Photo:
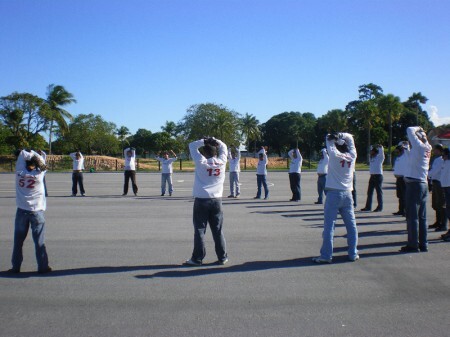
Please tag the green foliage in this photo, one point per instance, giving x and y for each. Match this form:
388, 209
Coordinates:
211, 120
92, 135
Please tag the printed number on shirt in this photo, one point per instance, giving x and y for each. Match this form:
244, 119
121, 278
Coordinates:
348, 163
215, 172
27, 183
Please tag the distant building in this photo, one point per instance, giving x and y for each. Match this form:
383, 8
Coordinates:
440, 135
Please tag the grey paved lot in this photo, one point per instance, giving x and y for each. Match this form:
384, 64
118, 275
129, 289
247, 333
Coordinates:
118, 272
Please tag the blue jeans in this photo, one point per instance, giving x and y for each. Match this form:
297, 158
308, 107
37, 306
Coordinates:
321, 181
342, 202
416, 213
166, 177
208, 211
261, 180
25, 219
294, 182
375, 183
234, 183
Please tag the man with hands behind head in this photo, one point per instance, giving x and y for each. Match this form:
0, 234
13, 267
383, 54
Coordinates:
210, 157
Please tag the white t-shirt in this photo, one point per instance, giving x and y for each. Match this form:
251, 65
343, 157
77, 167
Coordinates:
322, 167
376, 162
436, 166
295, 165
166, 164
78, 164
30, 192
419, 156
234, 163
341, 165
209, 173
261, 169
130, 160
400, 164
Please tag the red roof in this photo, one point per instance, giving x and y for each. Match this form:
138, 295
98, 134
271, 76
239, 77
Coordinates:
445, 135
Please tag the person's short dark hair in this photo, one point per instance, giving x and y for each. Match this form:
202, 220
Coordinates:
439, 147
342, 148
209, 151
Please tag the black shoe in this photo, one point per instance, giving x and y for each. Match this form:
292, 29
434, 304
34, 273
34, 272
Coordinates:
45, 271
378, 209
440, 229
13, 271
408, 249
399, 213
365, 209
435, 225
162, 194
318, 202
443, 236
423, 249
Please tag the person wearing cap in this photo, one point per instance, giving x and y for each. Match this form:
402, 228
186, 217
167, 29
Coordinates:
400, 163
342, 157
437, 193
295, 169
417, 190
445, 184
322, 171
376, 178
31, 205
130, 170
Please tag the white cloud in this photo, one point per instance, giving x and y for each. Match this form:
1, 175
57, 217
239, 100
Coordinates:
434, 117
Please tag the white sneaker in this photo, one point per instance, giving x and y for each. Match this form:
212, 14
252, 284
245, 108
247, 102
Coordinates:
191, 262
320, 260
353, 259
223, 262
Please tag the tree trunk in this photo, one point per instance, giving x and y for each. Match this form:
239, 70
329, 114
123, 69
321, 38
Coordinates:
50, 138
390, 139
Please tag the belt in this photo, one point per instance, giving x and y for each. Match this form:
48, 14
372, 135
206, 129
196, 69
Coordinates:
77, 170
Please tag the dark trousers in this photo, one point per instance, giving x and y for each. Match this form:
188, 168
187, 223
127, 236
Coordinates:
130, 174
208, 211
354, 194
438, 204
77, 179
294, 181
400, 189
375, 183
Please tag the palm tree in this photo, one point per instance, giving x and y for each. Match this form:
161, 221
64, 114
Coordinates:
58, 96
414, 101
392, 107
250, 129
122, 133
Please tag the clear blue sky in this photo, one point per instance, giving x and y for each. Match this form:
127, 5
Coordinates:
140, 63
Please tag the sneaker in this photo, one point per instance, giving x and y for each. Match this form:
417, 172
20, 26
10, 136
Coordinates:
231, 196
423, 249
135, 194
223, 262
73, 195
408, 249
257, 198
162, 194
13, 271
170, 194
318, 202
440, 229
443, 236
192, 263
399, 213
83, 195
237, 195
45, 271
320, 260
365, 209
354, 258
124, 194
378, 209
266, 198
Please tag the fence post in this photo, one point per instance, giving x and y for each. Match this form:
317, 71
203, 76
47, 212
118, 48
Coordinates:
181, 164
12, 166
245, 163
116, 164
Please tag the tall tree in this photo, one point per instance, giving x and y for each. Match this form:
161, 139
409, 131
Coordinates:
211, 120
391, 107
414, 103
250, 130
57, 97
122, 133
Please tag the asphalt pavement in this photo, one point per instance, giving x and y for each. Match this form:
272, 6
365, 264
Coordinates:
118, 270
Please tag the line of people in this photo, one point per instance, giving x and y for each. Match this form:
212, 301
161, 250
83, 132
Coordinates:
335, 179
